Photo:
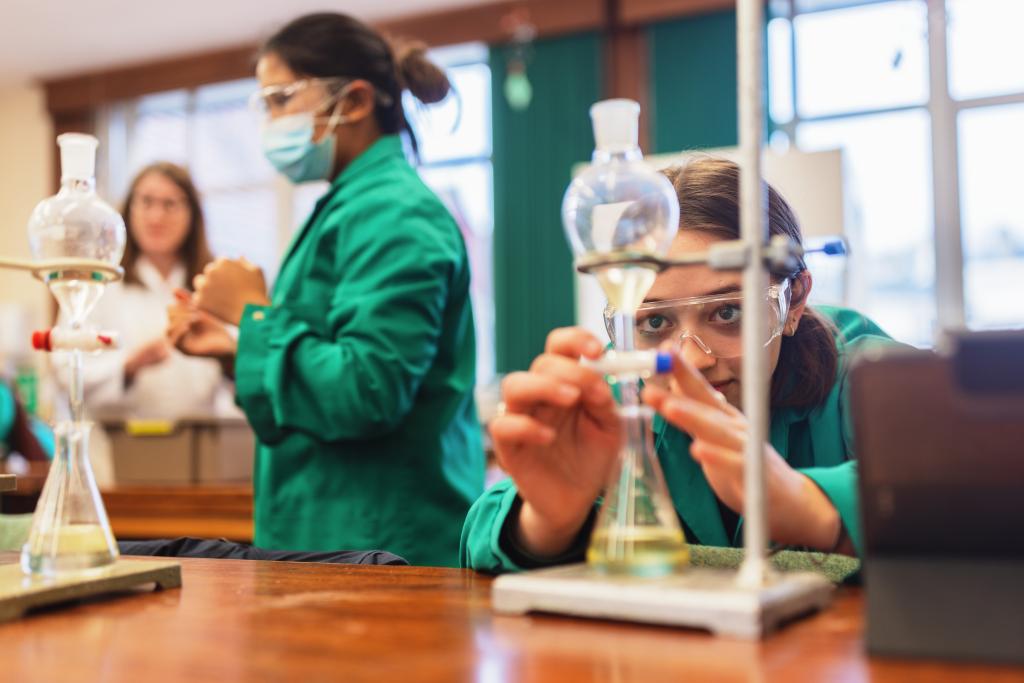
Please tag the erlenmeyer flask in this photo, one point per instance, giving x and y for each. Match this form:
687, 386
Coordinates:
637, 530
70, 531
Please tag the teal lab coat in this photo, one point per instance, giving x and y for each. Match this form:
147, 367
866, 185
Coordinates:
358, 378
816, 441
8, 414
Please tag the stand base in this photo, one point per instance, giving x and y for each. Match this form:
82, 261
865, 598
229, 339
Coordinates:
700, 598
20, 593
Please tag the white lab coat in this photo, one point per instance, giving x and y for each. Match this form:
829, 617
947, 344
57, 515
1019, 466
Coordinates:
179, 387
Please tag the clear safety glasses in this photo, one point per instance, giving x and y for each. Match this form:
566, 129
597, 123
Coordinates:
712, 322
277, 97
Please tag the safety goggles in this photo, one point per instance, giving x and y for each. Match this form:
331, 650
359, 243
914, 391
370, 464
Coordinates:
277, 97
712, 322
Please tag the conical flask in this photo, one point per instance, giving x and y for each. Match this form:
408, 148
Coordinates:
637, 530
70, 531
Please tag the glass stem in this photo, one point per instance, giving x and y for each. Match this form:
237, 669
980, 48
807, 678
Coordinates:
75, 388
629, 386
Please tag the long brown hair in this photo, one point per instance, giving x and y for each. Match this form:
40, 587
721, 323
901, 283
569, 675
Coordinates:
708, 190
194, 251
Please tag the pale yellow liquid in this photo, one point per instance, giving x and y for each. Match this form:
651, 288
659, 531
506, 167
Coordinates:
626, 286
78, 547
640, 551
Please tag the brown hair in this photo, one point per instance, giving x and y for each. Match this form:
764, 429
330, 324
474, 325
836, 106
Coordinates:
332, 45
708, 190
194, 251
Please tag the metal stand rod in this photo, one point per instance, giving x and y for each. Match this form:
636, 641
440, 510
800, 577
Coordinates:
753, 231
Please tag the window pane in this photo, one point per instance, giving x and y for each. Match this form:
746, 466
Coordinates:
992, 206
887, 161
985, 47
861, 58
242, 223
158, 130
780, 70
467, 192
227, 138
460, 126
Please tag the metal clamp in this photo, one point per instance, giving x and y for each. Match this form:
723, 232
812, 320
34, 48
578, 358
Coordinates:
782, 255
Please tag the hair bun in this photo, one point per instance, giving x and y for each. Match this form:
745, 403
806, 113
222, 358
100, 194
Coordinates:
416, 73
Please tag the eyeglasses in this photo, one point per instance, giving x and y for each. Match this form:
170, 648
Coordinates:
712, 322
276, 97
148, 203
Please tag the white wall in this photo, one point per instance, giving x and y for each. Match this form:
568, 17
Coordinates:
26, 160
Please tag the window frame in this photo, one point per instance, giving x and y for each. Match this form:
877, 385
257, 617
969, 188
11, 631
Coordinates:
943, 112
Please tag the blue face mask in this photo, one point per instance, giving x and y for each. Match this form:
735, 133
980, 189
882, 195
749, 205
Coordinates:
289, 147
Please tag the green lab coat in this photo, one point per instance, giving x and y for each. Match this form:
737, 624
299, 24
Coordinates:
816, 441
358, 378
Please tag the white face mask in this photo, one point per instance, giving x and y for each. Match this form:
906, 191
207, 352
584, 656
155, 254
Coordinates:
288, 144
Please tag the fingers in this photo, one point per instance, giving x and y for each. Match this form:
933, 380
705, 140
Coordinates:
175, 333
512, 431
594, 389
524, 390
693, 384
573, 342
697, 419
708, 454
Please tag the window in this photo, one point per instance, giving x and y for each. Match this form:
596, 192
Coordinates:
992, 206
985, 48
455, 161
839, 70
251, 211
886, 159
211, 131
830, 87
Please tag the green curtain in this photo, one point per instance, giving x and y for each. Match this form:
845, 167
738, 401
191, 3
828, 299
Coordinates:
693, 83
534, 152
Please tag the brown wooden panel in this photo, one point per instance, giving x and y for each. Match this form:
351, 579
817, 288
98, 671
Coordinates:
88, 91
482, 23
485, 22
139, 512
627, 73
634, 12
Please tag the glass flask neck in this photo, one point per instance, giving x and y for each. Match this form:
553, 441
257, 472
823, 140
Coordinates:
606, 156
78, 185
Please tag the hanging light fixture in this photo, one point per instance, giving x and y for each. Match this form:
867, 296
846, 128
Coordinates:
518, 90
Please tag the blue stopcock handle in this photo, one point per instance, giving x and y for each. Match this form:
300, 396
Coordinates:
663, 363
834, 248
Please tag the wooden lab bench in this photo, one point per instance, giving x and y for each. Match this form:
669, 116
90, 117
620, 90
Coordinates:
246, 621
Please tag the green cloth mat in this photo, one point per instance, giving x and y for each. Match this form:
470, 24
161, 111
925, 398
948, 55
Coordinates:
836, 568
14, 531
